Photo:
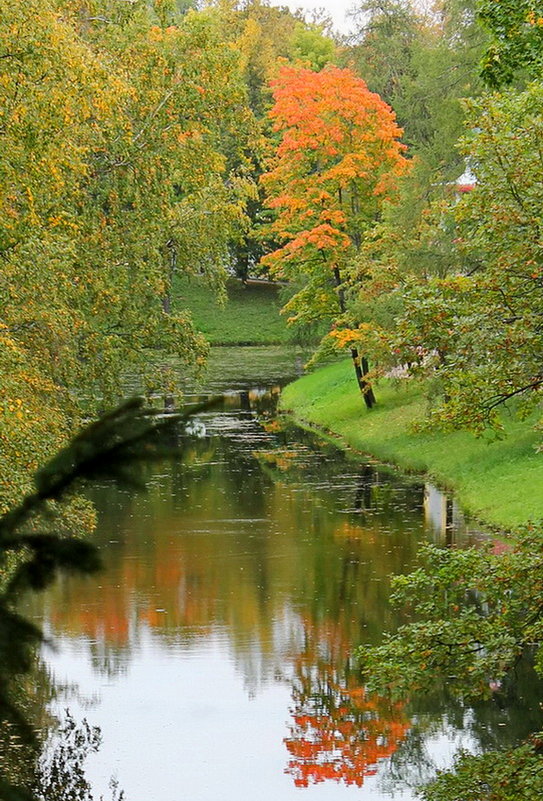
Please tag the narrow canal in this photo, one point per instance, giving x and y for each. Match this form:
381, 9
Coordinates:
215, 650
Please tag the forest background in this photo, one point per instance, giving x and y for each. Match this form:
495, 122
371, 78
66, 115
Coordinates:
146, 141
134, 136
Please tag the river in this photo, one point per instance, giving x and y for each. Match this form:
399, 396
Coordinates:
215, 650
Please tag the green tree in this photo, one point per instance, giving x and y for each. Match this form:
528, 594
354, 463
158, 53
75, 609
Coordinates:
383, 53
488, 315
422, 66
516, 48
471, 616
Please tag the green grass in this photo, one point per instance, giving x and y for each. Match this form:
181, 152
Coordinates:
249, 317
498, 481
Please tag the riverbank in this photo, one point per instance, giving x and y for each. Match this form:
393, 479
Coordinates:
250, 316
498, 481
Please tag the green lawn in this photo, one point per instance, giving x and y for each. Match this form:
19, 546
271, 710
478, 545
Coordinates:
498, 481
249, 317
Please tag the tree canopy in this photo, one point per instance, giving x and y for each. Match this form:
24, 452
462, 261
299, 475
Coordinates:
120, 168
144, 139
337, 160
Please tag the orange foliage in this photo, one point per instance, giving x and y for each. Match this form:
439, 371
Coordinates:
339, 155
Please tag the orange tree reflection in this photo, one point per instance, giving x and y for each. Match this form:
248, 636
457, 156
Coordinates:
338, 731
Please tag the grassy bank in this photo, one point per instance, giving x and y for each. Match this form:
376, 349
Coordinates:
249, 317
498, 481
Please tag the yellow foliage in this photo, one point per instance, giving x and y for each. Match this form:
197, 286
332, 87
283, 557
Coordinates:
103, 124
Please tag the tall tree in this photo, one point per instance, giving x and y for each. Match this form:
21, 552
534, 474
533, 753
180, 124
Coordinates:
422, 65
337, 160
267, 36
412, 260
470, 325
117, 170
499, 355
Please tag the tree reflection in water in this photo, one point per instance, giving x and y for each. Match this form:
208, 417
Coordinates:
60, 775
35, 544
286, 560
338, 732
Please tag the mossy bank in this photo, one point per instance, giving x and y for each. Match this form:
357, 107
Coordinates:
498, 481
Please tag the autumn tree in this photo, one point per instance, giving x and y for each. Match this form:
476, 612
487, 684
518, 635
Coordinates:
422, 262
267, 36
170, 186
116, 172
337, 160
56, 107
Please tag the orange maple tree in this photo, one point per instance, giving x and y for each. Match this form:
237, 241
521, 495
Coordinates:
337, 160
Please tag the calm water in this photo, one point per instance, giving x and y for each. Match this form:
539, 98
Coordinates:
215, 649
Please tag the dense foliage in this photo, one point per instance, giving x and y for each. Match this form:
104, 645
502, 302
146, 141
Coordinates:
117, 135
516, 48
337, 161
131, 138
133, 141
471, 617
445, 281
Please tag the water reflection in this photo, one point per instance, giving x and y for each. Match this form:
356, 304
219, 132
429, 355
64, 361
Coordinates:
337, 732
223, 628
223, 540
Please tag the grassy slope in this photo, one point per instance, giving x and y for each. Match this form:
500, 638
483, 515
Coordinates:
499, 481
250, 317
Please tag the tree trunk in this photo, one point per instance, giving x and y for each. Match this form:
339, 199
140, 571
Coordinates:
171, 255
361, 366
361, 369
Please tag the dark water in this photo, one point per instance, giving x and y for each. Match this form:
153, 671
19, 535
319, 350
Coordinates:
215, 650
